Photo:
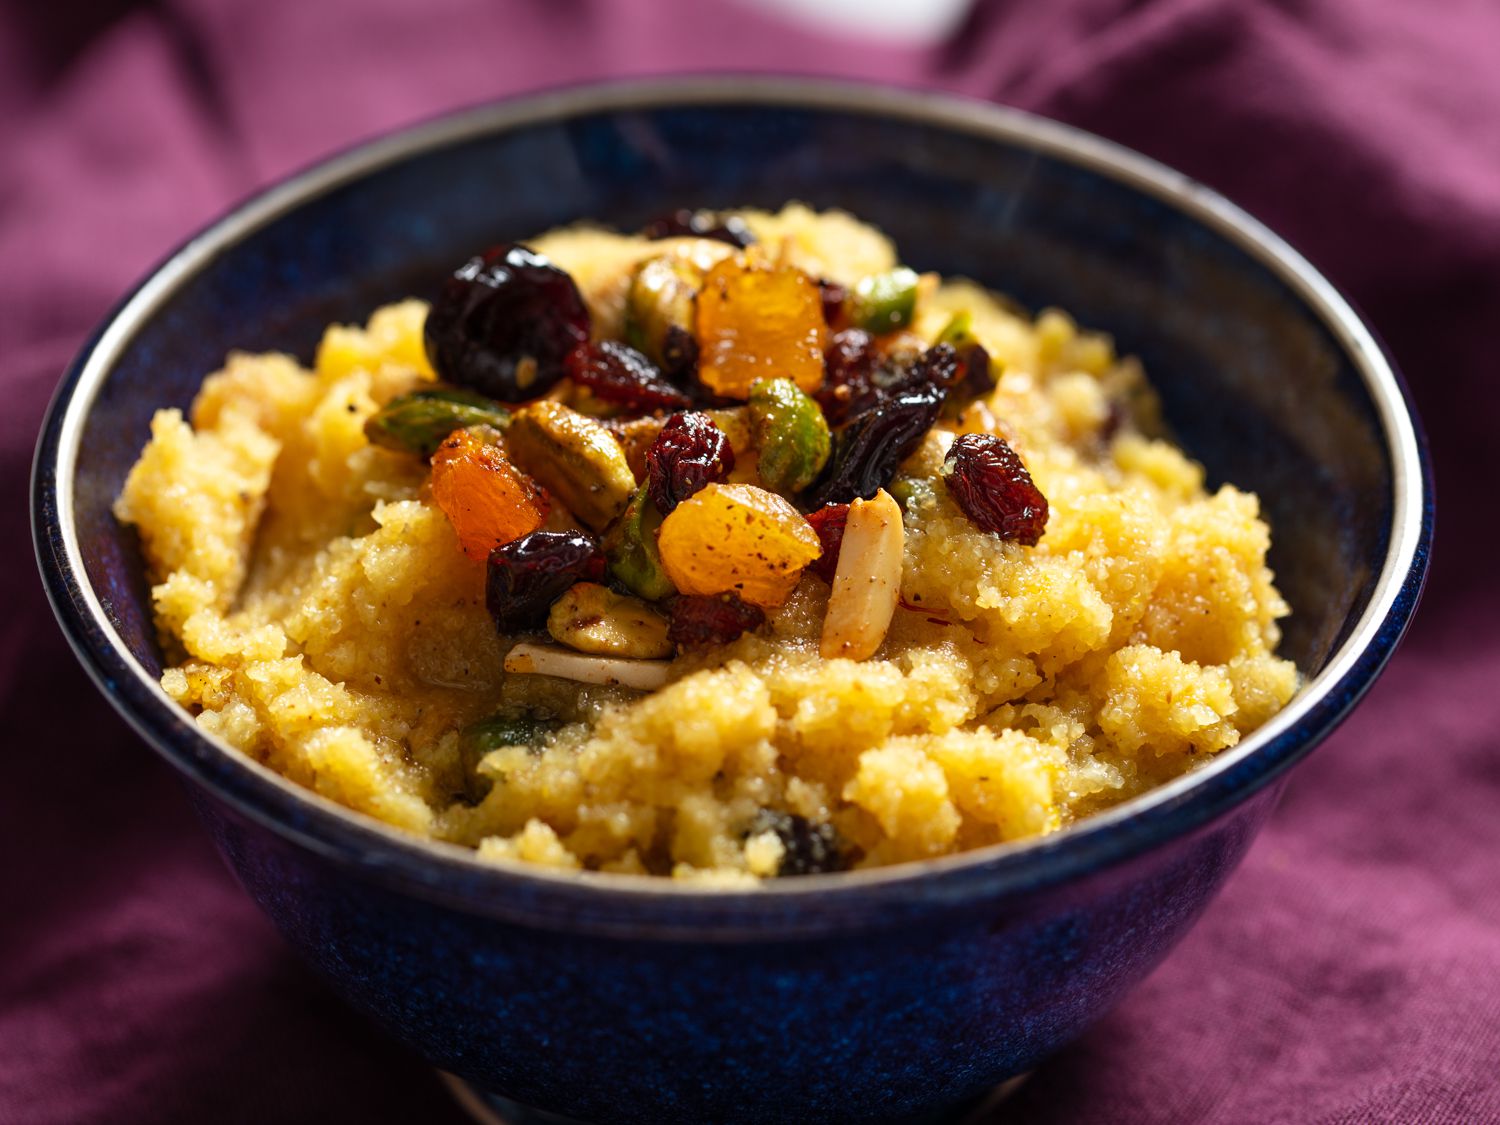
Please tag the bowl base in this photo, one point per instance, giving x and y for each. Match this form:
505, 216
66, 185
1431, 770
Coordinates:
492, 1109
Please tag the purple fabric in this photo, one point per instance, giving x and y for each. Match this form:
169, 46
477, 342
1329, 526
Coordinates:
1349, 971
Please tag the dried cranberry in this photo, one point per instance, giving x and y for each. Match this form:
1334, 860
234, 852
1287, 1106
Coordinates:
616, 372
833, 296
696, 622
807, 848
993, 488
505, 324
867, 451
527, 575
849, 365
689, 453
828, 521
687, 223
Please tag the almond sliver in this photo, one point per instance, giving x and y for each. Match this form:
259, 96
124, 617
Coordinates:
553, 660
867, 582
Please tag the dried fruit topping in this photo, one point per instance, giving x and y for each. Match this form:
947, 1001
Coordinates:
737, 538
884, 302
851, 362
505, 324
992, 486
758, 320
525, 577
828, 521
978, 378
867, 451
687, 223
808, 848
630, 545
689, 453
486, 498
575, 457
593, 618
616, 372
698, 622
790, 433
939, 366
659, 314
867, 582
418, 422
833, 296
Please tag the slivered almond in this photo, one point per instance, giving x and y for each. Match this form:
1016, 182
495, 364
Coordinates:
867, 582
552, 660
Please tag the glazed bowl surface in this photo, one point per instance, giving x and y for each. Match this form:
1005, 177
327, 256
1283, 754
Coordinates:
861, 996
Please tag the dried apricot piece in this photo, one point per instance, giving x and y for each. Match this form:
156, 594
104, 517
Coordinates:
486, 498
759, 320
737, 538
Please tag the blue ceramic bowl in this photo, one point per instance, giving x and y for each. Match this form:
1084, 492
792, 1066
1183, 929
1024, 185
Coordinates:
870, 995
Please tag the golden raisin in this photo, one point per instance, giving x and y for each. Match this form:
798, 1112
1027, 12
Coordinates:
737, 538
486, 498
758, 320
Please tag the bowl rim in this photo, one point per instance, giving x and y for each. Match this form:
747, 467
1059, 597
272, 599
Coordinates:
652, 905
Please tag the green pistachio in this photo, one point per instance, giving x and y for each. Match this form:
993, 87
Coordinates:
418, 422
594, 619
790, 432
630, 547
659, 312
884, 302
959, 331
574, 457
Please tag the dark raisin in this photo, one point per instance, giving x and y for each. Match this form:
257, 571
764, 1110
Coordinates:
868, 450
992, 486
833, 296
809, 848
505, 324
687, 223
939, 366
527, 575
700, 621
616, 372
689, 452
828, 521
679, 356
849, 365
977, 379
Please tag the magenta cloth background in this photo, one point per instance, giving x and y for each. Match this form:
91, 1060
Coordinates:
1350, 972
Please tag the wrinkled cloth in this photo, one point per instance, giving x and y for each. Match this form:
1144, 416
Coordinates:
1347, 973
